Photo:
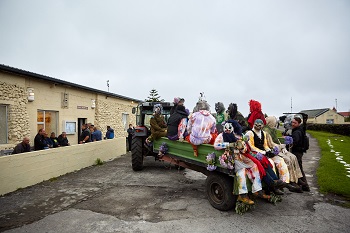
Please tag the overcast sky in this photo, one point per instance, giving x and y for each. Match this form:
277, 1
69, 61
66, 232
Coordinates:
233, 51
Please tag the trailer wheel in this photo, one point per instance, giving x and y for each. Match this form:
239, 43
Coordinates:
219, 190
136, 153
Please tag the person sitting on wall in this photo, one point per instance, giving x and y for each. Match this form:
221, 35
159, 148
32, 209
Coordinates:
201, 126
63, 140
39, 143
22, 147
47, 141
158, 125
177, 124
54, 140
109, 133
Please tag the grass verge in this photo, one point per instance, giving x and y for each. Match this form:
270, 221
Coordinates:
335, 153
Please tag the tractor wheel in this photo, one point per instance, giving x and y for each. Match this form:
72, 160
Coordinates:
219, 190
136, 154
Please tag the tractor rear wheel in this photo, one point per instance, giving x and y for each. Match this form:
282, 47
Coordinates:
219, 190
136, 153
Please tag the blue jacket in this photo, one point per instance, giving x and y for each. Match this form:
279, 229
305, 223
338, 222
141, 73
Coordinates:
110, 133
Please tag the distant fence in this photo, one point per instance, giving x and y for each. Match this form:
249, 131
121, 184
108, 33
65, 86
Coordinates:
26, 169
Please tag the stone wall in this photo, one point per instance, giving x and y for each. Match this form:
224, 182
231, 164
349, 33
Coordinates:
15, 97
109, 112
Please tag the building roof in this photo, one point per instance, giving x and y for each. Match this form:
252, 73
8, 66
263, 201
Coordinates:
17, 71
315, 112
344, 114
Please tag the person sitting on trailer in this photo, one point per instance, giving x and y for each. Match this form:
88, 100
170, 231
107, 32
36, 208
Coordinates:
177, 124
201, 126
258, 145
158, 125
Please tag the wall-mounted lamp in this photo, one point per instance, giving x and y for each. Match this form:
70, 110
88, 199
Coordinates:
30, 92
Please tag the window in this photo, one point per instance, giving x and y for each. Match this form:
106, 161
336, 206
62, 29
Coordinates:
125, 119
330, 121
3, 124
47, 120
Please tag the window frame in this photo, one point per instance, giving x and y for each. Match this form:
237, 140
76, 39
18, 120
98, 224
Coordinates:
5, 106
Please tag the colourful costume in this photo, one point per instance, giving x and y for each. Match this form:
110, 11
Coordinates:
244, 167
258, 144
201, 126
289, 158
177, 124
255, 113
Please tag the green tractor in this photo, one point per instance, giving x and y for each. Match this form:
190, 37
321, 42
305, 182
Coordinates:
144, 112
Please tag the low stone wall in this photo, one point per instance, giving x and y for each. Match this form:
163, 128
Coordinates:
22, 170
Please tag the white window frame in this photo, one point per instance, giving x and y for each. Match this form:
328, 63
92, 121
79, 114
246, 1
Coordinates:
125, 120
5, 129
44, 117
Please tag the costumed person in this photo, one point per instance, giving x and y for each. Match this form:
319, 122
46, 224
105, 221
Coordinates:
177, 124
201, 126
237, 116
258, 144
177, 102
298, 149
288, 158
221, 116
244, 167
255, 113
158, 125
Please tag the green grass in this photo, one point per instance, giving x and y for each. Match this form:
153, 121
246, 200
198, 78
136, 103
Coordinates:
331, 174
98, 161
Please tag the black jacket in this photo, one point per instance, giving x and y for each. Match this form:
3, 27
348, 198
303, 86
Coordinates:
39, 142
62, 141
297, 135
174, 120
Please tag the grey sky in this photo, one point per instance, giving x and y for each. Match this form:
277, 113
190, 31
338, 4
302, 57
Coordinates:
233, 51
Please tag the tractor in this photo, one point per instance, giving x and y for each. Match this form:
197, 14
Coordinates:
144, 112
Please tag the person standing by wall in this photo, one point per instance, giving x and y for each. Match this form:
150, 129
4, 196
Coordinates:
131, 131
96, 135
85, 136
22, 147
109, 133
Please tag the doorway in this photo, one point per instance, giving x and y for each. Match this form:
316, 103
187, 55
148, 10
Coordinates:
80, 122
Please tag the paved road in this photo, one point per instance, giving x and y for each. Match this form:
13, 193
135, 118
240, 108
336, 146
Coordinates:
113, 198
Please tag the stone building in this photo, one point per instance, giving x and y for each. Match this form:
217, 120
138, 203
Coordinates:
324, 116
30, 101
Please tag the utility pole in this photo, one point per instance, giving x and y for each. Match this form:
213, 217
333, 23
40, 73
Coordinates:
291, 104
336, 105
108, 85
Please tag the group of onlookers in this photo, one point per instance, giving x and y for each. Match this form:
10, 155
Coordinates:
90, 133
42, 141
